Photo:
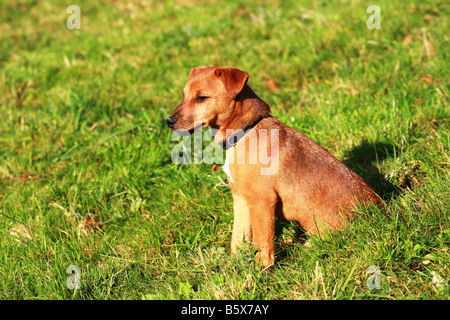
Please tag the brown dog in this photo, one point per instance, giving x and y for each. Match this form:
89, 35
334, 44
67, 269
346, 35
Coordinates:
302, 182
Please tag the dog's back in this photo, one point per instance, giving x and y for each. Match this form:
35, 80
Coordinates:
314, 187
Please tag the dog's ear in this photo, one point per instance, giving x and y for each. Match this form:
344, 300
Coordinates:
233, 80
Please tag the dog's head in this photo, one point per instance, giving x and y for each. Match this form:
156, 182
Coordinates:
208, 98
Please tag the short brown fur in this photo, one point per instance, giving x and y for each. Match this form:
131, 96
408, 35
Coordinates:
310, 186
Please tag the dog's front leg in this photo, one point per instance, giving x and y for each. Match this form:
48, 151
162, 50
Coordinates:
242, 231
262, 217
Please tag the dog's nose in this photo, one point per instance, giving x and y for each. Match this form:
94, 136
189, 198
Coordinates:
171, 122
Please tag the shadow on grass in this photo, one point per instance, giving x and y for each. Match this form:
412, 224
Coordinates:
361, 159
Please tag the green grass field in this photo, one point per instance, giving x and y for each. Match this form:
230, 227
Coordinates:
86, 177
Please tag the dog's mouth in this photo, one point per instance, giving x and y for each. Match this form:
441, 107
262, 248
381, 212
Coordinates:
198, 127
186, 132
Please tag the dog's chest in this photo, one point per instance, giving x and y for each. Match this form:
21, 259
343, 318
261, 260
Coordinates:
226, 168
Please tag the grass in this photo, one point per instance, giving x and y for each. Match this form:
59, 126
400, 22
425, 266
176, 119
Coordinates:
86, 176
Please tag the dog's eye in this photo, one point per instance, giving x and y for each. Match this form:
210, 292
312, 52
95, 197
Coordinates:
201, 98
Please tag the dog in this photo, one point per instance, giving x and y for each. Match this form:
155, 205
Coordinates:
306, 184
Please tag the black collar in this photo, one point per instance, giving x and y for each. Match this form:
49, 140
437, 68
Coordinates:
234, 138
